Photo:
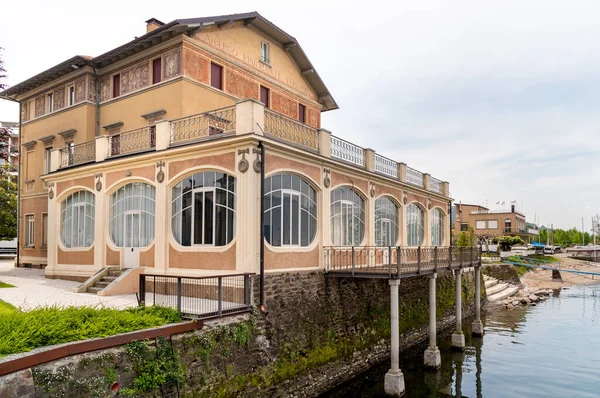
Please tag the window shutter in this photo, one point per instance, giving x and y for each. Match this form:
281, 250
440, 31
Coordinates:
156, 71
116, 85
302, 113
264, 96
216, 76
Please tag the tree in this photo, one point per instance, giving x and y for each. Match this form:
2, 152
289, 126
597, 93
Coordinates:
8, 204
467, 238
4, 131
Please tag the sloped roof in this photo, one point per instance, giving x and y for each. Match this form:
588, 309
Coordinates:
179, 26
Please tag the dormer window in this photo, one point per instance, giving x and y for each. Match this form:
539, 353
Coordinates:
264, 52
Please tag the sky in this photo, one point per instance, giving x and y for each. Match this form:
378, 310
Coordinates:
500, 98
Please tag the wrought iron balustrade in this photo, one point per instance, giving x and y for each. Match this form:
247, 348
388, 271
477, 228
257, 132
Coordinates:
414, 177
379, 261
386, 166
205, 125
344, 150
291, 130
197, 297
133, 141
78, 154
435, 185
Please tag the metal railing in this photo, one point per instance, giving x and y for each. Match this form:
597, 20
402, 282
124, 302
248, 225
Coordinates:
78, 154
209, 124
414, 177
347, 151
197, 297
396, 261
291, 130
386, 166
133, 141
435, 185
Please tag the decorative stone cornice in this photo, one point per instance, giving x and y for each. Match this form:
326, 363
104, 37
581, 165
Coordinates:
113, 126
154, 114
68, 135
47, 140
30, 145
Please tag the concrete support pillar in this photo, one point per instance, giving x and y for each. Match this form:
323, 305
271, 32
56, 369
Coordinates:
432, 357
54, 160
477, 327
325, 143
446, 188
458, 338
250, 117
163, 135
426, 181
402, 172
370, 159
101, 148
394, 379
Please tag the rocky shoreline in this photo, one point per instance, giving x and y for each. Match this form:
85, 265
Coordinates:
525, 297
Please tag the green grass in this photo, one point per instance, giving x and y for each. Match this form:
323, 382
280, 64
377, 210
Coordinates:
544, 257
6, 309
24, 331
3, 285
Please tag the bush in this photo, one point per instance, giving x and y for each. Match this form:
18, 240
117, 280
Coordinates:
24, 331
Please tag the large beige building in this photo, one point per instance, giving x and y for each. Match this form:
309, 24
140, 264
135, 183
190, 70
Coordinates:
150, 156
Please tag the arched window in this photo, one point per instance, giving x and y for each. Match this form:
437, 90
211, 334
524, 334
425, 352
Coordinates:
437, 227
203, 209
386, 222
415, 225
347, 217
77, 220
131, 215
290, 211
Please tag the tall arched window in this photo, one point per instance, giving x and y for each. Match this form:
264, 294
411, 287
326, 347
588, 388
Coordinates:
203, 209
131, 215
386, 222
77, 219
415, 225
347, 217
437, 227
290, 211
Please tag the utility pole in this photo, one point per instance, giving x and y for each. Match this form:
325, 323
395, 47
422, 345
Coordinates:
582, 233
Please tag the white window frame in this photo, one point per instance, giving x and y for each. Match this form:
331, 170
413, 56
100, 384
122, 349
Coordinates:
490, 224
47, 152
437, 226
478, 224
419, 219
29, 230
265, 52
379, 222
70, 89
114, 212
50, 102
203, 190
345, 204
139, 231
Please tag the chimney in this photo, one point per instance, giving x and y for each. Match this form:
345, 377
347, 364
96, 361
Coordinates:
152, 24
512, 208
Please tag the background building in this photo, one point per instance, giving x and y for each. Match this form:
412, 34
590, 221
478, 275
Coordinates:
10, 145
490, 223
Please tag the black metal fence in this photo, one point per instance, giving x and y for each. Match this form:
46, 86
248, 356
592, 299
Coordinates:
397, 261
197, 297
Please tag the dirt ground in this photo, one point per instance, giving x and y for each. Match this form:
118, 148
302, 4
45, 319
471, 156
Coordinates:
542, 279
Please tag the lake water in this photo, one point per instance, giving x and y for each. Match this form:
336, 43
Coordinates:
548, 350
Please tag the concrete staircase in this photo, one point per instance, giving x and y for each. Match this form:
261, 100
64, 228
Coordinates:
106, 280
497, 290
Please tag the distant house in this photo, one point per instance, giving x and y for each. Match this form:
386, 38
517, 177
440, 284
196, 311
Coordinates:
490, 223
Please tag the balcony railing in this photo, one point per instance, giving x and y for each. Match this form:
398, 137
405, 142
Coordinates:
414, 177
386, 166
435, 185
204, 125
347, 151
133, 141
78, 154
291, 130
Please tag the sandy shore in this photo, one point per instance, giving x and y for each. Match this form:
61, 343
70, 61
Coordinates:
542, 279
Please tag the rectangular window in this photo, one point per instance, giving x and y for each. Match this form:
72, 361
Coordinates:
50, 102
216, 76
302, 113
480, 224
464, 227
29, 228
493, 224
264, 96
156, 74
71, 94
116, 85
47, 152
264, 52
44, 230
71, 151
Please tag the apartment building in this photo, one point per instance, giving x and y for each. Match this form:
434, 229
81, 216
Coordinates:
490, 223
152, 156
9, 145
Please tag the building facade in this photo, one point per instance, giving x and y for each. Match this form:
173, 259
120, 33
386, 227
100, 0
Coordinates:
150, 156
488, 223
10, 146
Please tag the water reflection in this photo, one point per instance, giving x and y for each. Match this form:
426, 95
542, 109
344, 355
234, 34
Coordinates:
522, 353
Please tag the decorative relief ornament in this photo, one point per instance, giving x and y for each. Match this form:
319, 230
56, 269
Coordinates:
98, 182
327, 180
405, 199
243, 164
428, 204
372, 191
50, 191
257, 162
160, 176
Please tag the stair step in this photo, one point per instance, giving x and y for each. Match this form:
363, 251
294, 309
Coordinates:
93, 289
108, 278
115, 273
503, 294
490, 282
495, 289
101, 284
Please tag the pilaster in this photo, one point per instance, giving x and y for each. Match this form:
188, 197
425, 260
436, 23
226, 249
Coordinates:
250, 117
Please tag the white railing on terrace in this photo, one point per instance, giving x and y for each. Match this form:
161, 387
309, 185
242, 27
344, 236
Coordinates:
204, 125
386, 166
291, 130
414, 177
347, 151
78, 154
435, 185
133, 141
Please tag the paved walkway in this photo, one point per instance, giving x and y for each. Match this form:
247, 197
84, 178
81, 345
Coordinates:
33, 290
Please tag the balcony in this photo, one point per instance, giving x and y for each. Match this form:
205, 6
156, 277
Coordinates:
246, 117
